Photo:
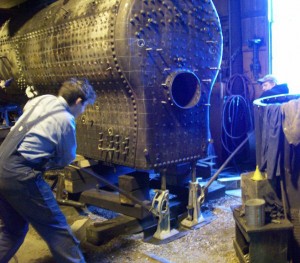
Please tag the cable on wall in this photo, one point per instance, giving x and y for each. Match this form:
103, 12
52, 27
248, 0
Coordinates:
237, 114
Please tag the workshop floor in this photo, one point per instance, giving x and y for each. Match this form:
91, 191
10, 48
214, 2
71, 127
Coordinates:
212, 242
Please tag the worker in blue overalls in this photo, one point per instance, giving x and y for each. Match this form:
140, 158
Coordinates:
44, 137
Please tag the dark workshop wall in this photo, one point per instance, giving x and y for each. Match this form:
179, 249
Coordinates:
246, 50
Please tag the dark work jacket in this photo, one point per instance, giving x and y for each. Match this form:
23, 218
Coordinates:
276, 90
271, 150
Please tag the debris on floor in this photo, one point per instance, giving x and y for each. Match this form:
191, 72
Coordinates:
212, 242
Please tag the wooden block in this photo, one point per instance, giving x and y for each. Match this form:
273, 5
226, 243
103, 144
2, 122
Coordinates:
82, 162
77, 186
141, 194
178, 175
98, 234
74, 173
130, 183
203, 170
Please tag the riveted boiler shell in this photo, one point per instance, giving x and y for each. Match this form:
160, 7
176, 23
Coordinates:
151, 62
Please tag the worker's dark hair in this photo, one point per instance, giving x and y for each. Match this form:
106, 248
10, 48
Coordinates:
74, 88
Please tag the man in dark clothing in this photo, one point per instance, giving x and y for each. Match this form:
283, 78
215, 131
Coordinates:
44, 137
271, 88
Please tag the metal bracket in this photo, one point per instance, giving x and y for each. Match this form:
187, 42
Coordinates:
196, 199
160, 204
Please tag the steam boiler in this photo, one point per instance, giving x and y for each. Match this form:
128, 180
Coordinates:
152, 63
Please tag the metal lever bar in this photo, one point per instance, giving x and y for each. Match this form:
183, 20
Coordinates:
225, 163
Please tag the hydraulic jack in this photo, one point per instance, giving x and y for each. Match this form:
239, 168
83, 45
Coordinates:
196, 199
160, 204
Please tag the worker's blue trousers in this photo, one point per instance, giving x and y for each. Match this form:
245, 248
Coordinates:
26, 198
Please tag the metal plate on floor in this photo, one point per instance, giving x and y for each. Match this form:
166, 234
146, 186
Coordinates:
182, 231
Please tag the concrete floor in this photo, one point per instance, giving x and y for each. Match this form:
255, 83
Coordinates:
212, 242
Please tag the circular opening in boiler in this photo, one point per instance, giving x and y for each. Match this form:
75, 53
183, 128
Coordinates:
185, 90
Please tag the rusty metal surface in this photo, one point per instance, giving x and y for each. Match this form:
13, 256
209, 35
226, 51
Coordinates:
152, 63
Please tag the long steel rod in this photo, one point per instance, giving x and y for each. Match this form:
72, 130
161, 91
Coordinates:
225, 163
